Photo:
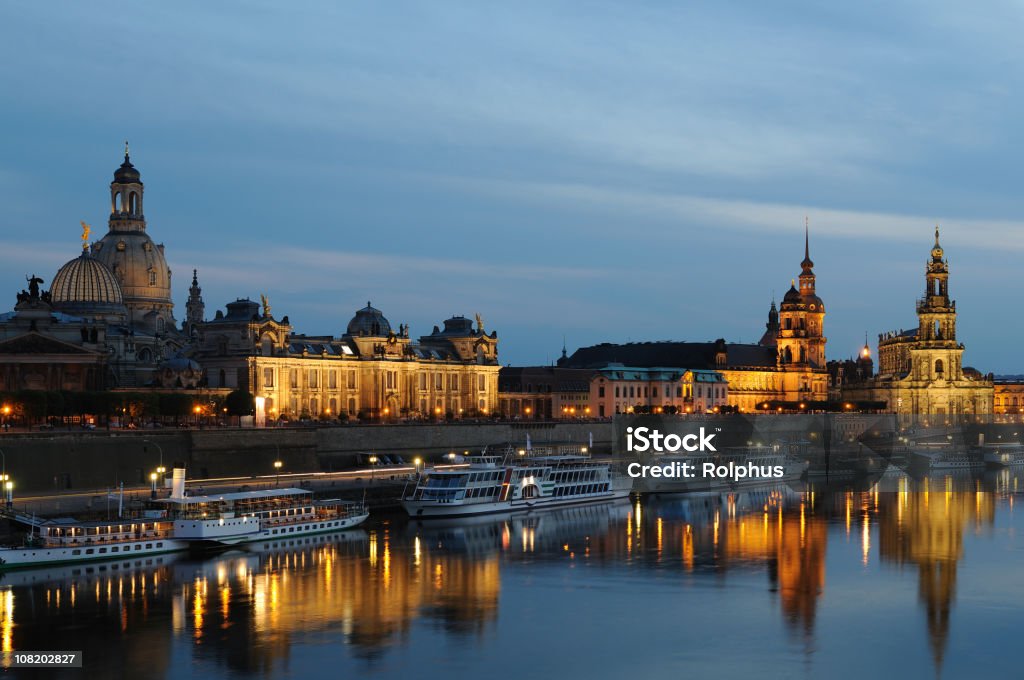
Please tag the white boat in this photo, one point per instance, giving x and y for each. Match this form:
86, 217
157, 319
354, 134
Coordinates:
184, 522
761, 458
944, 457
491, 484
244, 516
64, 541
1003, 455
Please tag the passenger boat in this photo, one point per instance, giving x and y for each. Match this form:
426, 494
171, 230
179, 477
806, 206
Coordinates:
62, 541
244, 516
1003, 455
513, 482
944, 457
762, 458
183, 522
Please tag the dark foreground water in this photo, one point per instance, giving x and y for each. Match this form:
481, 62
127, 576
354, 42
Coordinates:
908, 578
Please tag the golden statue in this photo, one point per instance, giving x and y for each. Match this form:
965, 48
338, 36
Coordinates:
479, 322
266, 305
86, 230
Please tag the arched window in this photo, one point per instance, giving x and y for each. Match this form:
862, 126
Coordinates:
117, 202
266, 346
351, 407
133, 203
938, 366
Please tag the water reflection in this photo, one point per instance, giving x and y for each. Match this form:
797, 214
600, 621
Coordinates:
362, 596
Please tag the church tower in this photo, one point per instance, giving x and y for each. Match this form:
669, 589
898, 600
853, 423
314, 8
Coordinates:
937, 355
801, 340
195, 308
137, 263
771, 329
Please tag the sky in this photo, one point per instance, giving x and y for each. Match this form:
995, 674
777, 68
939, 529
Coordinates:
590, 172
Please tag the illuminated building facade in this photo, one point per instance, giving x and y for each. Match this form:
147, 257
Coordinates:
920, 371
787, 366
369, 371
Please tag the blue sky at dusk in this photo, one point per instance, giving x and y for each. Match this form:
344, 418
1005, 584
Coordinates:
598, 171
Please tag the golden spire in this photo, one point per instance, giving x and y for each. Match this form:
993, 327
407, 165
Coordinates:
126, 148
86, 230
936, 233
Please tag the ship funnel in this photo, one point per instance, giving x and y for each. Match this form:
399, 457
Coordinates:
178, 483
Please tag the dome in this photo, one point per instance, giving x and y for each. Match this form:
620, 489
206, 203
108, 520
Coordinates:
86, 285
127, 173
369, 321
792, 296
139, 266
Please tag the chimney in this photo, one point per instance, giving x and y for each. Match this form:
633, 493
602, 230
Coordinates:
178, 483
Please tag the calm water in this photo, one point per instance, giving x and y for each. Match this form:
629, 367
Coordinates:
908, 578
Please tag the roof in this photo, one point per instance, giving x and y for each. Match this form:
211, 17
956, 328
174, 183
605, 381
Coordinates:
237, 496
680, 355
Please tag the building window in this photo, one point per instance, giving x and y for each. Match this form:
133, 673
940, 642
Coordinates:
455, 383
423, 383
268, 377
293, 378
332, 381
351, 380
314, 378
938, 366
483, 383
600, 391
352, 407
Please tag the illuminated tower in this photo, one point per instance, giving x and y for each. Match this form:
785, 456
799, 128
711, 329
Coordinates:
801, 340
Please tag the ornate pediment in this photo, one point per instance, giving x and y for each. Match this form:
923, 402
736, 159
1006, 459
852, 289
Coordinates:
36, 343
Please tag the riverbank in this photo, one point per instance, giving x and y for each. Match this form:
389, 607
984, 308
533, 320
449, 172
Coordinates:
61, 462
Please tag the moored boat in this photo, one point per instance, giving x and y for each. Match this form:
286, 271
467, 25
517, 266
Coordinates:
492, 484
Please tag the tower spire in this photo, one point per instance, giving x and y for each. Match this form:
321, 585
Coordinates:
807, 265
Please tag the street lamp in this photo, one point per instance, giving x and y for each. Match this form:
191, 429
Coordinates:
9, 487
416, 462
277, 467
373, 468
152, 478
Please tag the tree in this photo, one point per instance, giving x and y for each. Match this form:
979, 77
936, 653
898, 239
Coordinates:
240, 403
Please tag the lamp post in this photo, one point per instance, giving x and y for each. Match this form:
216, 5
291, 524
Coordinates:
373, 468
152, 478
277, 466
417, 462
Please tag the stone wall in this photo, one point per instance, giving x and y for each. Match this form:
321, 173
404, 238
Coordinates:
61, 461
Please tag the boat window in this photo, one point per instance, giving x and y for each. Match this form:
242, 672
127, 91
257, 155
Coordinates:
89, 551
76, 552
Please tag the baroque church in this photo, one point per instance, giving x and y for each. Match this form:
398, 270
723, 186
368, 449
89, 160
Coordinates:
920, 371
785, 369
107, 322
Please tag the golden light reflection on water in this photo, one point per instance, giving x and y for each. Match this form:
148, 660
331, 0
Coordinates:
372, 587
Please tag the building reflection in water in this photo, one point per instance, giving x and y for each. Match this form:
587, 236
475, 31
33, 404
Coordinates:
247, 611
926, 528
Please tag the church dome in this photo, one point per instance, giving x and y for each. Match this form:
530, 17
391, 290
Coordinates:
86, 285
127, 173
369, 321
791, 299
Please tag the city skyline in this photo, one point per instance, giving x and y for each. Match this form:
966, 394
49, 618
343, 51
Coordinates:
593, 200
